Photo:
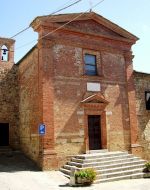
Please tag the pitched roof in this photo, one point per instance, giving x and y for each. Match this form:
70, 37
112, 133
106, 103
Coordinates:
61, 18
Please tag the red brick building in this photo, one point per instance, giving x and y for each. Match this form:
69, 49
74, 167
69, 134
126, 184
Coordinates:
78, 81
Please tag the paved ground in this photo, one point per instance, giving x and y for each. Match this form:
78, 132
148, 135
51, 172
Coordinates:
19, 173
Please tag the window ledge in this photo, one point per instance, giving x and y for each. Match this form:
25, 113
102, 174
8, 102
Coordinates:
93, 77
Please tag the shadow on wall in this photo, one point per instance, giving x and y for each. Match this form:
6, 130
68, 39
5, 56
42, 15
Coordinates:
70, 126
9, 101
119, 121
142, 83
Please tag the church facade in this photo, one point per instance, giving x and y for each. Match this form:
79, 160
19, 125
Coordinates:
78, 83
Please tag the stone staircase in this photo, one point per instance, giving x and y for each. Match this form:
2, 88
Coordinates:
8, 151
5, 150
110, 166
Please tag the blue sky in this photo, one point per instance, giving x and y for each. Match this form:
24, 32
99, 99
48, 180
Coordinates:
132, 15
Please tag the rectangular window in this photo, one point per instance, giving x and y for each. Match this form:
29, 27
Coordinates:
147, 100
90, 64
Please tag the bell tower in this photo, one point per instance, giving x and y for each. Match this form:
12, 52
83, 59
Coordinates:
6, 51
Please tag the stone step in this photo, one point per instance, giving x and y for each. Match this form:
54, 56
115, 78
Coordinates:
65, 171
131, 176
123, 164
119, 173
101, 159
98, 155
93, 164
96, 151
112, 170
5, 150
119, 169
109, 167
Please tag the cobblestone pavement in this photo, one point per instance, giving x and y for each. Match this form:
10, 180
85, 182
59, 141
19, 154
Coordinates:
19, 173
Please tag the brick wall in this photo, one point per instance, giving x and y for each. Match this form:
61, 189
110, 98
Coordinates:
68, 92
70, 88
142, 84
29, 105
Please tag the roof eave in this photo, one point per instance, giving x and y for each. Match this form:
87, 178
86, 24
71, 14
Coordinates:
116, 28
30, 51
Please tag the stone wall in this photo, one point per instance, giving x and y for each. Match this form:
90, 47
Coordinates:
29, 104
142, 84
9, 101
9, 94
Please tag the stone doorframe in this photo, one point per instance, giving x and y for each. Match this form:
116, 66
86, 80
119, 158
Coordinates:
95, 105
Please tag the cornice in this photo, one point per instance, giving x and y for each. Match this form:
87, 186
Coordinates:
46, 20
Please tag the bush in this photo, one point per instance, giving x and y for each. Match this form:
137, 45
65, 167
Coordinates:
147, 166
86, 176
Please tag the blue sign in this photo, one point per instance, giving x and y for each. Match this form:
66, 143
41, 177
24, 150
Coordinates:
42, 129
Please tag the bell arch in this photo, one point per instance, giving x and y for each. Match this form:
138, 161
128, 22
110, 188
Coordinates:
4, 53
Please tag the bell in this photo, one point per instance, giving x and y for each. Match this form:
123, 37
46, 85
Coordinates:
4, 51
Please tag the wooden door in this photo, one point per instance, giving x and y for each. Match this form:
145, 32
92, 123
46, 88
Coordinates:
94, 132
